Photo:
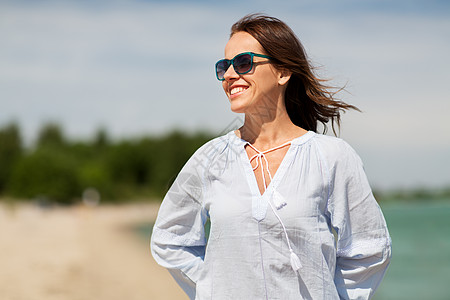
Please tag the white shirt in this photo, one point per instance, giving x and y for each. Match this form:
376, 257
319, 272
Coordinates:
247, 255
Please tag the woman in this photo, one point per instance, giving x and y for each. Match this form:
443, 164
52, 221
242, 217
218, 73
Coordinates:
292, 214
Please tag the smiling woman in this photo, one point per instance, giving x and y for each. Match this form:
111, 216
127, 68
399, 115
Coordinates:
291, 211
307, 99
253, 84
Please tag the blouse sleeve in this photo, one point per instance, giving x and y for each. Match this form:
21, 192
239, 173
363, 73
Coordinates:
363, 242
178, 240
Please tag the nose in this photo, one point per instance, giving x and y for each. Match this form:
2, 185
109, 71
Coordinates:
230, 74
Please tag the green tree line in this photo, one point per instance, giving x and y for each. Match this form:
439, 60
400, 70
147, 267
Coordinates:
57, 169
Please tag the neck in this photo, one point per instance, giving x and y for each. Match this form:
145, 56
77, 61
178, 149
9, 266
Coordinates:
266, 131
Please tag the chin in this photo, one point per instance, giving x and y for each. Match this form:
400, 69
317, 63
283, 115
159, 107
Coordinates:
238, 109
239, 106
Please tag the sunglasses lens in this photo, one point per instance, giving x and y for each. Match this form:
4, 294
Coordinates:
221, 67
243, 63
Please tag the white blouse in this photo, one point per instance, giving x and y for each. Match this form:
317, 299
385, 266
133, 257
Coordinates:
329, 218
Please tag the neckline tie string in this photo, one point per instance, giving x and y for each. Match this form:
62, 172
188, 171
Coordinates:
279, 203
260, 155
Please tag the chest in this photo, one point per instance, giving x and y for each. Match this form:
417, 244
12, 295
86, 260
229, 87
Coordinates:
238, 198
265, 166
236, 191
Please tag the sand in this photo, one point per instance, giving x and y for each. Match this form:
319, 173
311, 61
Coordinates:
79, 253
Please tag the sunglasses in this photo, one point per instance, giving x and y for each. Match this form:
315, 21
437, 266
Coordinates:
242, 64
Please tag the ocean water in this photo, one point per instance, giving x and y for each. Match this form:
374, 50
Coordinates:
420, 265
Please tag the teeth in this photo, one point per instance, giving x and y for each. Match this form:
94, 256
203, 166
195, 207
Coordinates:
237, 90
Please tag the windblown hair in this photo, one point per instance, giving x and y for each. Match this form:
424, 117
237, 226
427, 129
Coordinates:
308, 100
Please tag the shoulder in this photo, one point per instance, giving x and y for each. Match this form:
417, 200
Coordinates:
210, 152
213, 147
192, 177
334, 150
330, 144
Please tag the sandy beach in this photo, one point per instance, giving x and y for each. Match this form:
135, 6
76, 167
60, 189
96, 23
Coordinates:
79, 253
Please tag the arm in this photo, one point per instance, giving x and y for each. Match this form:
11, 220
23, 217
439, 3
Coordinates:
363, 242
178, 239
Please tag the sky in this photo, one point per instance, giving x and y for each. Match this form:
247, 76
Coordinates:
147, 67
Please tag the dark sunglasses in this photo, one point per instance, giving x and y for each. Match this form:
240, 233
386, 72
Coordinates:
242, 64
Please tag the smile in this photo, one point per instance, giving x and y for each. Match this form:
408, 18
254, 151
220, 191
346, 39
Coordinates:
237, 90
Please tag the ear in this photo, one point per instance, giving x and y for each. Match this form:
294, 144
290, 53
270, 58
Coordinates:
284, 76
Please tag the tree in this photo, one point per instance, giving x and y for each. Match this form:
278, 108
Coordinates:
10, 152
50, 135
46, 173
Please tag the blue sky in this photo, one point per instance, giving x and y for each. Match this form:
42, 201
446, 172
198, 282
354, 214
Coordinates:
140, 67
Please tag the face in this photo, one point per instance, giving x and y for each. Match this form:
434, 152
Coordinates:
261, 87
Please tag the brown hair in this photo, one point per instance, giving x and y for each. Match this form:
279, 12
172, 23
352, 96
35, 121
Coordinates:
308, 101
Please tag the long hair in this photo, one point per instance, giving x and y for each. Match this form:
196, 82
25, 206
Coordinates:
308, 100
